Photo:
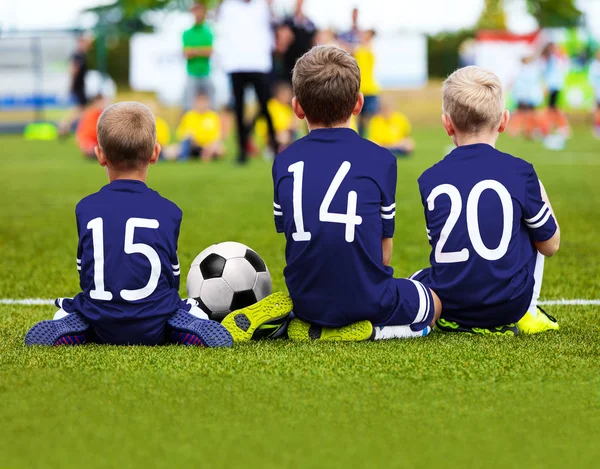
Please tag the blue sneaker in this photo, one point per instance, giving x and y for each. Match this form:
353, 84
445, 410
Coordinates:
70, 330
187, 329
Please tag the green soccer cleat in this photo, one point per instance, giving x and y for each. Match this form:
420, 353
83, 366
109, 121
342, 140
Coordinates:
243, 323
530, 324
450, 326
357, 332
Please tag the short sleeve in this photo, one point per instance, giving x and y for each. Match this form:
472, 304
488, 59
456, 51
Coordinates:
79, 245
537, 216
277, 209
388, 198
174, 258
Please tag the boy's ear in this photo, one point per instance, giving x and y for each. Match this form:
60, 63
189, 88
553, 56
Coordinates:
360, 102
298, 109
505, 120
100, 155
448, 125
155, 153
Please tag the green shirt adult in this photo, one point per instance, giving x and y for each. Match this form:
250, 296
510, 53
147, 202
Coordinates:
198, 35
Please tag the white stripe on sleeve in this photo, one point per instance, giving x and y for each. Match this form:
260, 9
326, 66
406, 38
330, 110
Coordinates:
389, 208
538, 216
79, 261
388, 217
277, 206
539, 223
277, 213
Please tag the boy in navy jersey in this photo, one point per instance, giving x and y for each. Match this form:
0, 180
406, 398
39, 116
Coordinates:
489, 220
334, 198
127, 252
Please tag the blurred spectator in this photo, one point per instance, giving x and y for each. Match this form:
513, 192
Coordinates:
86, 134
77, 69
555, 72
197, 48
248, 39
351, 38
199, 132
528, 93
301, 32
391, 129
368, 84
327, 37
284, 119
594, 76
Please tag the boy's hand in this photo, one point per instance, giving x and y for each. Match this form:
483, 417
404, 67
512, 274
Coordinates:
549, 247
387, 246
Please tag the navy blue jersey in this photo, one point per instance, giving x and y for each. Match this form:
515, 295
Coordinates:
127, 262
334, 198
483, 210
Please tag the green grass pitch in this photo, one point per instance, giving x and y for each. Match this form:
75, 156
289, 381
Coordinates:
442, 401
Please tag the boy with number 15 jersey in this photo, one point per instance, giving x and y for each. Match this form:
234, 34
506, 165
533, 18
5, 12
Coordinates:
334, 198
127, 253
489, 220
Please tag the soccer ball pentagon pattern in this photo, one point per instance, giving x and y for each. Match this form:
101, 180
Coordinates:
226, 277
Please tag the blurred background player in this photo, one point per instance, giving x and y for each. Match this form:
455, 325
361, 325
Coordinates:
555, 72
391, 129
284, 119
299, 33
199, 132
594, 77
248, 39
365, 58
350, 39
528, 93
77, 70
197, 48
86, 134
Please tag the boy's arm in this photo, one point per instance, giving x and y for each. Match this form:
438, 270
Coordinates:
549, 247
539, 217
79, 245
174, 258
388, 197
277, 210
388, 246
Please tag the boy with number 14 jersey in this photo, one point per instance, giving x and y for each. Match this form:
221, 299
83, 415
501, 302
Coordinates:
334, 199
489, 220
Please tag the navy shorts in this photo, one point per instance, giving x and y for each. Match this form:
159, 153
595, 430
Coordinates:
486, 316
371, 106
414, 305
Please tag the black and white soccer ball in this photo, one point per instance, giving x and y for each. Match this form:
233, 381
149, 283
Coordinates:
226, 277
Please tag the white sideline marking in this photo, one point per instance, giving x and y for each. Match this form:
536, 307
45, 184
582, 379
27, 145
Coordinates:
43, 302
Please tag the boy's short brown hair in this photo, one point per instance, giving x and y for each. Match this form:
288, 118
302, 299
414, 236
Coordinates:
473, 99
127, 134
326, 82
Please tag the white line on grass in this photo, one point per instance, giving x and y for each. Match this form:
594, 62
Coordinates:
43, 302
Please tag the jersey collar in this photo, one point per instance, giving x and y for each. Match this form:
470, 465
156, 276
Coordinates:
127, 185
332, 134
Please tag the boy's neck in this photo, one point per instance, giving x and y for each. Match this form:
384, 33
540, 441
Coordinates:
341, 125
128, 174
489, 138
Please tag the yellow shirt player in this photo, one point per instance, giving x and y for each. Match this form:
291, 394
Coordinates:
199, 132
365, 57
163, 132
282, 114
391, 129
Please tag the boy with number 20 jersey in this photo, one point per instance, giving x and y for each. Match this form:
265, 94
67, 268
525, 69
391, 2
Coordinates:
489, 220
127, 253
334, 198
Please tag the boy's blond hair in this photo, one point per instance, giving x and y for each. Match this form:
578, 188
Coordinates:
326, 82
473, 99
127, 134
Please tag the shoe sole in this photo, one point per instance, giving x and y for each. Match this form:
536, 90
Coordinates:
508, 330
243, 323
188, 329
358, 332
69, 330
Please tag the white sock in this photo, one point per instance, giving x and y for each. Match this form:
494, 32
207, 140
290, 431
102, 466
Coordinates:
195, 310
61, 313
398, 332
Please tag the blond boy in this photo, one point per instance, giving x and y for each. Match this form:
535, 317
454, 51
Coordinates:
489, 221
127, 253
